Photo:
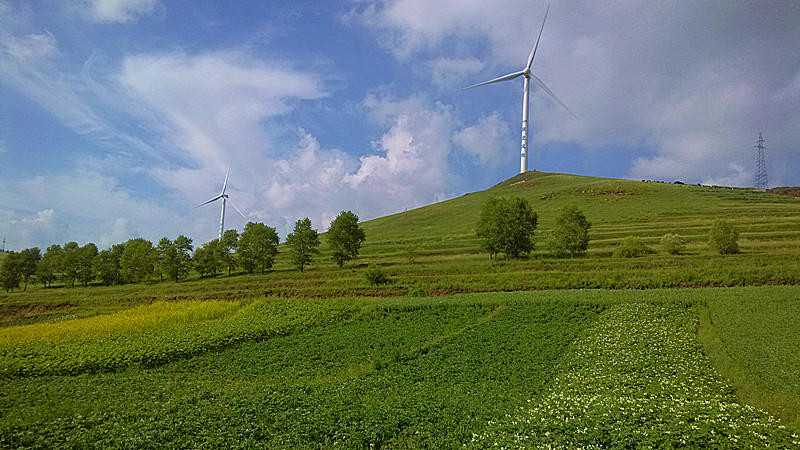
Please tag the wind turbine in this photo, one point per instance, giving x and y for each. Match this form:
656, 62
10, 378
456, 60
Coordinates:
225, 198
526, 72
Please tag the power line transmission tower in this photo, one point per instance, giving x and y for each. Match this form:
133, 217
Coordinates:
761, 165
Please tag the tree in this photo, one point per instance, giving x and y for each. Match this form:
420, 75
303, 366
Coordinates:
138, 260
723, 238
107, 265
69, 263
506, 225
207, 260
28, 260
10, 271
303, 243
228, 245
162, 251
345, 237
84, 263
49, 265
257, 248
175, 257
570, 237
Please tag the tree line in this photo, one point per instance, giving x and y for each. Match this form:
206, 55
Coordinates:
137, 260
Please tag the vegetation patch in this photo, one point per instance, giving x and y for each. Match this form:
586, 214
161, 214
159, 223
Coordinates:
638, 378
154, 335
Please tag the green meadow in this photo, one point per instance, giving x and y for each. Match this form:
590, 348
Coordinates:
690, 350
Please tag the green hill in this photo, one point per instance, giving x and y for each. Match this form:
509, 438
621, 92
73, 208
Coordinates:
323, 359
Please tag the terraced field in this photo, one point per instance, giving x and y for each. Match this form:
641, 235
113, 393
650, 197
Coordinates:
572, 368
590, 352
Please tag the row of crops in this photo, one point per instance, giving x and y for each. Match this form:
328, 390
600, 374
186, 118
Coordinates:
154, 334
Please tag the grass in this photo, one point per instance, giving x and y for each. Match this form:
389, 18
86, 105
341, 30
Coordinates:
325, 358
754, 340
427, 372
448, 260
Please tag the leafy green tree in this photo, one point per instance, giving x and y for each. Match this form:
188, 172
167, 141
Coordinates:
49, 265
10, 271
28, 260
207, 258
138, 260
258, 246
107, 265
175, 257
303, 243
229, 244
345, 237
570, 237
163, 250
724, 238
85, 267
69, 263
506, 225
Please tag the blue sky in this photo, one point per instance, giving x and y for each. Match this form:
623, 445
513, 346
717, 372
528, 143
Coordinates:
117, 117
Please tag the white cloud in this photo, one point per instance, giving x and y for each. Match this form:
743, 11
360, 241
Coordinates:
83, 205
41, 229
107, 11
450, 73
486, 140
637, 73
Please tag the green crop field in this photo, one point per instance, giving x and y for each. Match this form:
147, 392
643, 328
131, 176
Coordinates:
690, 350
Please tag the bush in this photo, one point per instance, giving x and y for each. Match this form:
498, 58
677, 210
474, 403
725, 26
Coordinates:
375, 276
506, 225
570, 237
723, 238
632, 247
672, 244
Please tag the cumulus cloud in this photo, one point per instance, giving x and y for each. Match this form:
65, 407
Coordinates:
120, 11
638, 74
486, 140
41, 229
82, 205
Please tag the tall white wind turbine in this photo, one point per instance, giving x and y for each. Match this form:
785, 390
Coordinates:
225, 198
526, 72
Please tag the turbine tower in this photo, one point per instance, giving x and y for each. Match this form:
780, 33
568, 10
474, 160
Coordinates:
225, 198
526, 72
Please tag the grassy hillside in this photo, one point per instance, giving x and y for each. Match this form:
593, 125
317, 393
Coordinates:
322, 358
433, 250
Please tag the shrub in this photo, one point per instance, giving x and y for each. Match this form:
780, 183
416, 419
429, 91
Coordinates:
723, 238
506, 225
672, 243
632, 247
375, 276
570, 237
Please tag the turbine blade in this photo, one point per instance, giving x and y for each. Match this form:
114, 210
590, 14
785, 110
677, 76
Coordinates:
237, 208
209, 201
547, 89
510, 76
225, 184
535, 46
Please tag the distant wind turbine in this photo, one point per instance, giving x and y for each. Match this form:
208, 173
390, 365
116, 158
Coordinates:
225, 198
526, 72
